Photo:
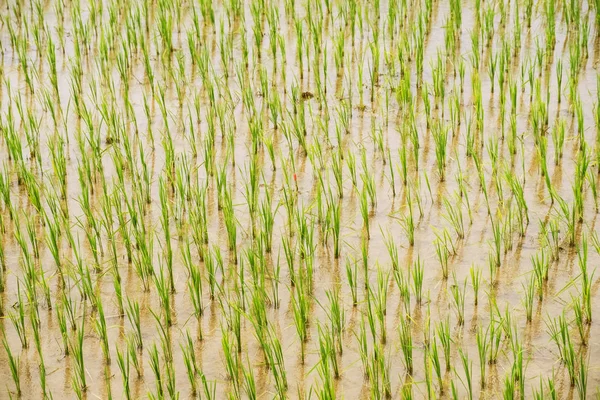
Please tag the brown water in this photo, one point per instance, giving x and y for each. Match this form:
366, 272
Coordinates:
541, 357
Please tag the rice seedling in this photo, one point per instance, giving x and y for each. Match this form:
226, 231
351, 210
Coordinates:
467, 366
79, 381
417, 275
458, 297
14, 363
123, 363
440, 137
406, 345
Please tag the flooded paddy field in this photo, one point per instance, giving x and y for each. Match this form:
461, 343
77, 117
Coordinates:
299, 199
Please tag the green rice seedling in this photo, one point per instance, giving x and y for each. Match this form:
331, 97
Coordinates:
475, 274
275, 280
277, 364
581, 381
76, 349
351, 163
351, 275
468, 368
337, 315
529, 290
455, 217
509, 390
407, 220
492, 69
579, 319
568, 216
132, 352
417, 275
403, 283
458, 297
100, 325
249, 382
194, 282
406, 345
300, 308
368, 181
336, 225
164, 294
442, 252
440, 137
18, 319
123, 363
559, 333
364, 210
231, 360
482, 350
165, 218
364, 251
133, 315
231, 225
379, 299
435, 361
14, 364
156, 369
586, 280
327, 349
495, 336
361, 337
391, 248
443, 333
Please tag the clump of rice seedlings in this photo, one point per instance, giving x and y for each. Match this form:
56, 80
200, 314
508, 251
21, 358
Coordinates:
475, 274
440, 137
417, 275
379, 300
79, 382
100, 325
337, 316
232, 362
18, 319
406, 344
529, 290
443, 334
335, 209
351, 275
300, 308
455, 217
392, 249
581, 381
435, 362
230, 224
14, 366
407, 221
458, 297
468, 368
364, 211
559, 333
403, 283
482, 350
133, 315
442, 245
586, 280
123, 363
164, 294
156, 369
327, 350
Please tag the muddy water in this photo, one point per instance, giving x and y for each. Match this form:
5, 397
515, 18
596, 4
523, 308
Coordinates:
540, 353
